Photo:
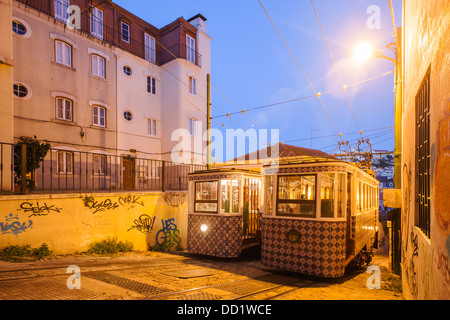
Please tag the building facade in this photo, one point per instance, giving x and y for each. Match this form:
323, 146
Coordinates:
101, 86
426, 150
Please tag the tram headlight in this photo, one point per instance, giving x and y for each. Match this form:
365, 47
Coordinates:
203, 227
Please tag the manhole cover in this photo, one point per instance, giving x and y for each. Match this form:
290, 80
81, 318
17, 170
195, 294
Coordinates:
143, 288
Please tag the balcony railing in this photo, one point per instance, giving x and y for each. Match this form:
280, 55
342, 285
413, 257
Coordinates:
77, 171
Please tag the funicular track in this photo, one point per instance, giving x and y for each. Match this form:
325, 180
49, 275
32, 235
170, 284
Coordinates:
265, 287
13, 283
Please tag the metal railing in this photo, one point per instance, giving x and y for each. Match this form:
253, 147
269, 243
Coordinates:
78, 171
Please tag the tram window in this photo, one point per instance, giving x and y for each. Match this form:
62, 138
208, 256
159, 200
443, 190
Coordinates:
358, 196
230, 196
340, 194
296, 195
366, 197
269, 194
327, 195
206, 196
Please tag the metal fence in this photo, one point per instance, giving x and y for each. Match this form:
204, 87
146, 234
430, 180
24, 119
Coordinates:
77, 171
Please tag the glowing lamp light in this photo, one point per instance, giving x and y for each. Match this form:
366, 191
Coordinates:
363, 51
203, 227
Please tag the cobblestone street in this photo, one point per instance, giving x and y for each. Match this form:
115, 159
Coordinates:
180, 276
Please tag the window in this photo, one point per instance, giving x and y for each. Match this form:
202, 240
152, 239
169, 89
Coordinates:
63, 53
230, 196
64, 109
127, 115
192, 85
151, 85
190, 49
99, 165
150, 48
99, 116
296, 195
152, 127
206, 196
193, 126
423, 156
97, 23
19, 28
65, 162
20, 90
98, 66
327, 195
125, 28
127, 70
61, 7
340, 189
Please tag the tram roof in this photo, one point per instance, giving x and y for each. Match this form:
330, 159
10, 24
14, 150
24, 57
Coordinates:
225, 170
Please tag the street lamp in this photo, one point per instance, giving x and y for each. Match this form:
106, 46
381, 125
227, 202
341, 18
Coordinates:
363, 52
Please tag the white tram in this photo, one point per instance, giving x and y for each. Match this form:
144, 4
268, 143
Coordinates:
224, 211
318, 217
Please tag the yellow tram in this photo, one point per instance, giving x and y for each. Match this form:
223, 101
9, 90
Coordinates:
223, 216
318, 217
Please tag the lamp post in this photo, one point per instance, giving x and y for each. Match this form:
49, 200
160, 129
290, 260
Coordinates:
363, 52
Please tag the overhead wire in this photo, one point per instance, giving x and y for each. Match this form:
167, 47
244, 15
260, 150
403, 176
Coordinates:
309, 96
335, 66
301, 69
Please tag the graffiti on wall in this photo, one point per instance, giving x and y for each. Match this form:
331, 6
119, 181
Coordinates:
108, 204
131, 201
175, 199
37, 209
144, 224
13, 225
169, 235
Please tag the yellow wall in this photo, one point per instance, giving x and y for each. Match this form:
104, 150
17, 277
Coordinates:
69, 223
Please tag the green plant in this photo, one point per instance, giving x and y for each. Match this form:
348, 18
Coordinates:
394, 283
35, 154
25, 252
110, 245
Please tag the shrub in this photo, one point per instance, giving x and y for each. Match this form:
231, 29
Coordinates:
110, 245
25, 252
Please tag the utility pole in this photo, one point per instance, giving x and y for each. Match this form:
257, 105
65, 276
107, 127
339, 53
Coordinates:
208, 121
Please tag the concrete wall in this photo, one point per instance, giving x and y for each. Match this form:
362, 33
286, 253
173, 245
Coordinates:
69, 223
425, 260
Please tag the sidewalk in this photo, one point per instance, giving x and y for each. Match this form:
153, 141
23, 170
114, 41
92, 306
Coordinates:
139, 275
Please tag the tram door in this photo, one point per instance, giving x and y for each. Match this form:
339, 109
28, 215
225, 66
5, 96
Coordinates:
350, 245
251, 232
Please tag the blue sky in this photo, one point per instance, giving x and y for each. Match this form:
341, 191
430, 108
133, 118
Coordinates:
252, 67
